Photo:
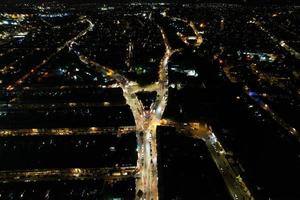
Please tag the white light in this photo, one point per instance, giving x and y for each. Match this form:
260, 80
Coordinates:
158, 110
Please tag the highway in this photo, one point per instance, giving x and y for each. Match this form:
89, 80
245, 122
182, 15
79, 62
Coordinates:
67, 131
152, 119
146, 121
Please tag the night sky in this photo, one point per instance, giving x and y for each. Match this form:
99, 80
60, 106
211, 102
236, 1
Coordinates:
282, 2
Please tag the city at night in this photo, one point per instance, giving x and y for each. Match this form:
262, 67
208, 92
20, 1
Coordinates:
149, 100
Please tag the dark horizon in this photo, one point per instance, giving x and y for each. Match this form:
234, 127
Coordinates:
245, 2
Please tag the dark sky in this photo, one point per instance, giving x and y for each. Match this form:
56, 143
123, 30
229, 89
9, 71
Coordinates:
183, 1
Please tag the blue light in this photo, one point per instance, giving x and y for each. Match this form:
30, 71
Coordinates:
251, 94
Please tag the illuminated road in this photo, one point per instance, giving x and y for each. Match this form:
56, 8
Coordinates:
59, 49
67, 174
234, 183
7, 68
12, 106
49, 90
191, 24
146, 124
148, 153
282, 43
147, 88
291, 130
70, 87
67, 131
258, 100
199, 38
146, 121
